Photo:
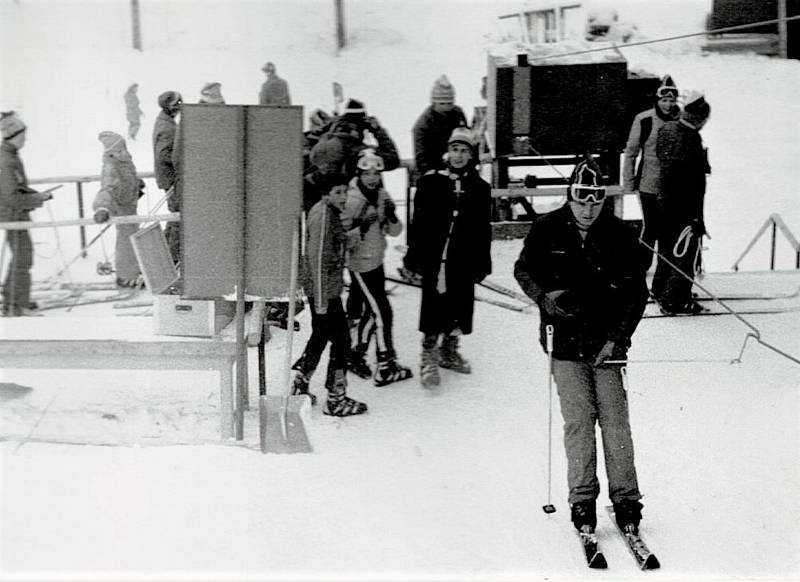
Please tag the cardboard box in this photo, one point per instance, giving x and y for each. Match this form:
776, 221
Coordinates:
173, 315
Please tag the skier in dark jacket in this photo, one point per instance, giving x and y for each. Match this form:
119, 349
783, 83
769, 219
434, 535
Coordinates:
684, 165
164, 133
323, 281
434, 127
578, 264
449, 246
645, 177
17, 200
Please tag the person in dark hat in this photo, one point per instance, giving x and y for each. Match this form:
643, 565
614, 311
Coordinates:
17, 200
684, 165
120, 190
449, 248
644, 177
432, 129
164, 132
576, 264
274, 91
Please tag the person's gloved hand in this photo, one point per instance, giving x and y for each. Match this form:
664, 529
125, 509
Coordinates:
606, 353
101, 215
699, 227
369, 218
557, 303
389, 210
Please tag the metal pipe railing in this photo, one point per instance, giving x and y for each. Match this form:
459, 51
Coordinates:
777, 223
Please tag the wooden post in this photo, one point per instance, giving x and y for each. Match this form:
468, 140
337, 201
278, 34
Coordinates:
340, 33
136, 24
783, 32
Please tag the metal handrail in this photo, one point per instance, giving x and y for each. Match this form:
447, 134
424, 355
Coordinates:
777, 223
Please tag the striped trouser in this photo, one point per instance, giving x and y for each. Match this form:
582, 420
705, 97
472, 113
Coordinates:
369, 306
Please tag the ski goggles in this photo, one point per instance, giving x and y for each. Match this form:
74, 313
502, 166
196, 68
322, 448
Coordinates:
584, 194
667, 92
370, 162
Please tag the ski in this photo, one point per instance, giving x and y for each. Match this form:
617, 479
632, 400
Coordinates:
79, 300
641, 553
754, 311
591, 550
497, 288
503, 304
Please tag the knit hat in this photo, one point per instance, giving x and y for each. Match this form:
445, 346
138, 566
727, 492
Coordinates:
586, 173
354, 108
169, 99
667, 87
10, 125
696, 108
268, 67
462, 135
110, 140
443, 91
211, 94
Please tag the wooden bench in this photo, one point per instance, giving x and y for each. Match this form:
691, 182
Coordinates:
109, 343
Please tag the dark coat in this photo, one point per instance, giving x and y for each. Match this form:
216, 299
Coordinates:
16, 198
605, 285
274, 91
322, 267
468, 257
163, 144
430, 133
684, 165
338, 149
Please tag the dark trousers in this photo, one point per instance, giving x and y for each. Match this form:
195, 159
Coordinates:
651, 226
328, 327
17, 284
591, 396
669, 287
368, 304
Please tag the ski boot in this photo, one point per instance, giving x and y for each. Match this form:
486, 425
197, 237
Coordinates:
300, 387
357, 362
584, 516
429, 368
450, 358
388, 370
338, 403
628, 514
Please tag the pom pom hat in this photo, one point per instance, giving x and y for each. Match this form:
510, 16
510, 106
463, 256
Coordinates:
11, 125
443, 91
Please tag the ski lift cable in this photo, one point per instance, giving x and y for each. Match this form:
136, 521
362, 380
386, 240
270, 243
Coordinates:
668, 38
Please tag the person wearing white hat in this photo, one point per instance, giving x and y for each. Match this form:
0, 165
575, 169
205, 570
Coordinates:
449, 248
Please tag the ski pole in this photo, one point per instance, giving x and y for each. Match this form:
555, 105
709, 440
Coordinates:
549, 508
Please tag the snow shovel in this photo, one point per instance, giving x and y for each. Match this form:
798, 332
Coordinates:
281, 425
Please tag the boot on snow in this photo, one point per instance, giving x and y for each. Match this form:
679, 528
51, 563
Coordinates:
338, 403
584, 515
429, 367
357, 362
450, 358
300, 387
628, 514
388, 370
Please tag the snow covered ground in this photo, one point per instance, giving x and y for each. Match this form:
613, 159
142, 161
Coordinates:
446, 484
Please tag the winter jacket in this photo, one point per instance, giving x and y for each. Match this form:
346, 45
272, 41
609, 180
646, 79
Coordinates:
468, 258
646, 177
430, 134
119, 186
605, 288
684, 165
368, 247
337, 150
163, 143
274, 91
16, 198
323, 263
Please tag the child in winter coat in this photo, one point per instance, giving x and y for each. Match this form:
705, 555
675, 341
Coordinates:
323, 280
369, 216
119, 194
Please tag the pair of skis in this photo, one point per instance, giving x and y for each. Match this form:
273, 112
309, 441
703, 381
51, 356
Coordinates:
645, 559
